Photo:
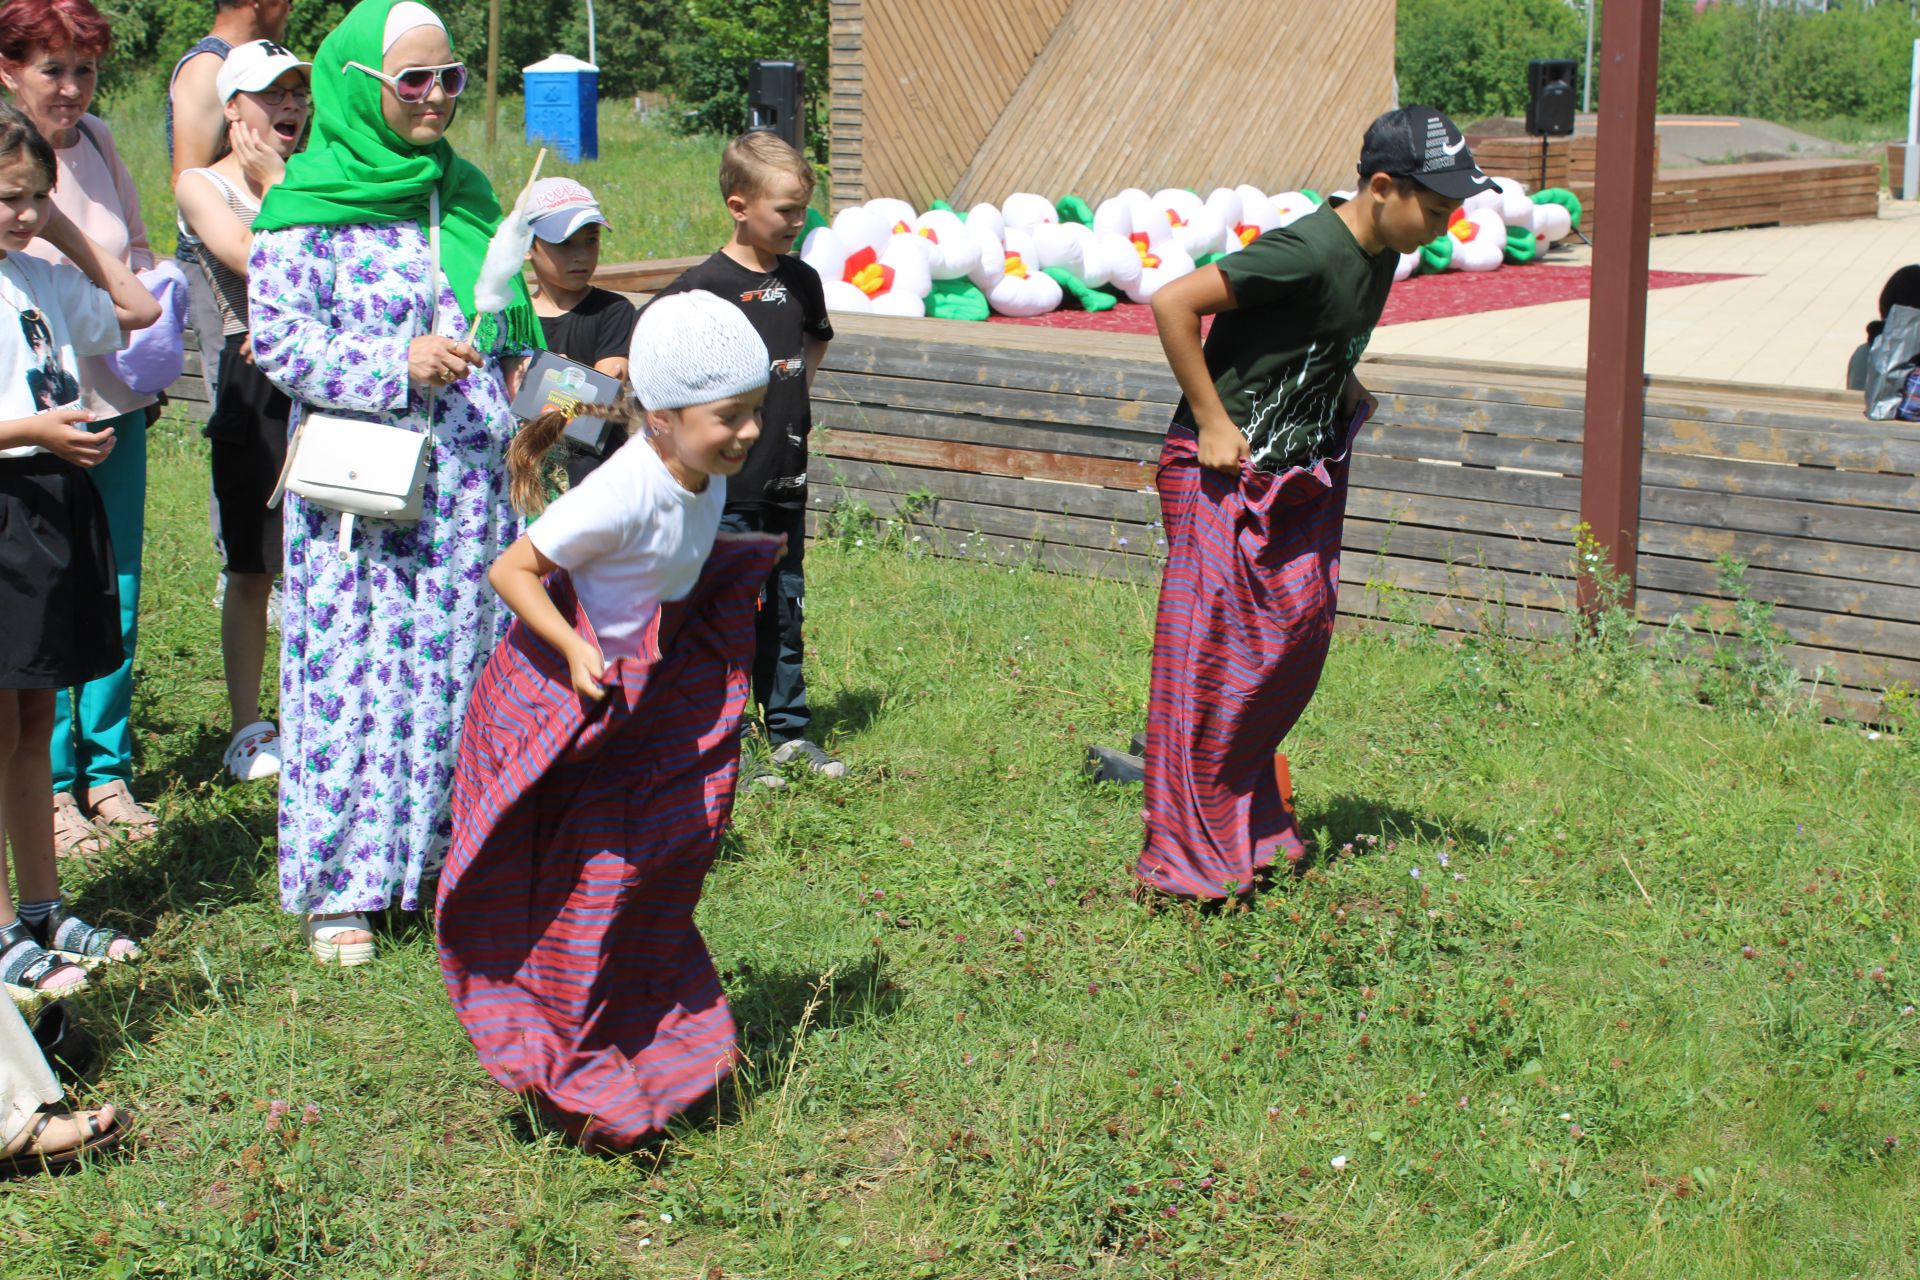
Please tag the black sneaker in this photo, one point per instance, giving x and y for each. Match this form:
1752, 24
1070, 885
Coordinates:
1104, 764
812, 755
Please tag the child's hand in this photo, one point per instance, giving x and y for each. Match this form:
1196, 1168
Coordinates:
64, 433
586, 666
258, 160
1356, 395
56, 228
1222, 448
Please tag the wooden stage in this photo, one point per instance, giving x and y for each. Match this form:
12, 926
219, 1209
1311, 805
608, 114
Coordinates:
1009, 442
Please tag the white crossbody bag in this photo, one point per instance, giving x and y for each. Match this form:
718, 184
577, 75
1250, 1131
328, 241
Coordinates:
362, 468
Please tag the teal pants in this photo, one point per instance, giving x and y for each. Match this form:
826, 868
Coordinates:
97, 747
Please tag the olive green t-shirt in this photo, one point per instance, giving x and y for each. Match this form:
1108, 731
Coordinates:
1306, 300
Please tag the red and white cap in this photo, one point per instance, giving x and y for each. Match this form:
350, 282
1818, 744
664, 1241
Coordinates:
558, 207
253, 66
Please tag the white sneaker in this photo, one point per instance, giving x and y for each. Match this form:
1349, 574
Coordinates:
254, 753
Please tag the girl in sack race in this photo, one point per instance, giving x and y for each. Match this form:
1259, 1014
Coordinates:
601, 750
364, 311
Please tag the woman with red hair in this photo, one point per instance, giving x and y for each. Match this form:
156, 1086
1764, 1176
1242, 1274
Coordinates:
50, 54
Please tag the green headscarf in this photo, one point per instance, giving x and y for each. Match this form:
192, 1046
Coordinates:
356, 169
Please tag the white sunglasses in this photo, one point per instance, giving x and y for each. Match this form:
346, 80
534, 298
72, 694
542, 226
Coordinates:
415, 84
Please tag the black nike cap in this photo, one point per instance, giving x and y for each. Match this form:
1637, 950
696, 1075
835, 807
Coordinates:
1422, 144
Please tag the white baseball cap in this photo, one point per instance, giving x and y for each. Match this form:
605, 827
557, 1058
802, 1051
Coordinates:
254, 66
558, 207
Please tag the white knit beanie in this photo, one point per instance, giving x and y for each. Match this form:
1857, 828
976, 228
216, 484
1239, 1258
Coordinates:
694, 348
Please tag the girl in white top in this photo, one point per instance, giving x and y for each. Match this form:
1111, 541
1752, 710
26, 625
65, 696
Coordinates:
267, 98
637, 531
59, 604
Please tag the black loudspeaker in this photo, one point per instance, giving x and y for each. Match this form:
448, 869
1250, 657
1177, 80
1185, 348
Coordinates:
1550, 97
776, 101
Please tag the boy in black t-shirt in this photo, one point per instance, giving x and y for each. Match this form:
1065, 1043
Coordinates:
1253, 489
585, 324
767, 185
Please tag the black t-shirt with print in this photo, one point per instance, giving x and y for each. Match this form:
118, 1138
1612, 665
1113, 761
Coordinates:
1306, 299
786, 306
600, 327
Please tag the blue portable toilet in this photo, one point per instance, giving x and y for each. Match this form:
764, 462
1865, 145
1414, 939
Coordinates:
563, 106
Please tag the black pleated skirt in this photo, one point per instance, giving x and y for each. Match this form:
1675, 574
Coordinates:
59, 596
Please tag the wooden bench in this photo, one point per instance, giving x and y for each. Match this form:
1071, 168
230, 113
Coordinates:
1719, 197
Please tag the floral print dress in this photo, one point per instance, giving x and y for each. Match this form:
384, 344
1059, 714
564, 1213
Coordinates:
380, 646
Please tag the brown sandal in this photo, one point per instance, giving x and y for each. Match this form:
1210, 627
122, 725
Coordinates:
117, 813
73, 835
94, 1139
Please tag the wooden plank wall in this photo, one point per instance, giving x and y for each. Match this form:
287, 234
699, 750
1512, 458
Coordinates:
1005, 443
846, 108
933, 80
978, 101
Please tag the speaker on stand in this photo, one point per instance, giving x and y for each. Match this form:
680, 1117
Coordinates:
776, 101
1550, 105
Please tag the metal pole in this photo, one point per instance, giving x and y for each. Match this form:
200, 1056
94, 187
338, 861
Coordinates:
493, 71
1910, 174
593, 52
1586, 68
1617, 312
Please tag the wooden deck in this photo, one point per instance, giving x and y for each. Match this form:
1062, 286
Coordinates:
1007, 442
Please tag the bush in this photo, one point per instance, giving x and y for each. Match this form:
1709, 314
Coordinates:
721, 37
1774, 61
1469, 57
632, 37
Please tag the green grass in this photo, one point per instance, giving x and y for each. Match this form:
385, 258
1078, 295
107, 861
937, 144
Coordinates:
659, 188
971, 1055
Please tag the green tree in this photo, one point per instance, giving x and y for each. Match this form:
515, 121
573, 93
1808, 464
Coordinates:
1469, 57
722, 37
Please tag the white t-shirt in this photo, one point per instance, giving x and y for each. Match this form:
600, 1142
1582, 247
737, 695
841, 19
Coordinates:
631, 537
50, 314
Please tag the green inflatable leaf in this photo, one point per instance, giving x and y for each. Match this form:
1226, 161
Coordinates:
941, 205
1313, 195
1563, 197
1436, 254
957, 300
1080, 293
1522, 244
1074, 209
1207, 259
814, 219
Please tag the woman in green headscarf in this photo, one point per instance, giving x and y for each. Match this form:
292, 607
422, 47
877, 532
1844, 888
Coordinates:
381, 640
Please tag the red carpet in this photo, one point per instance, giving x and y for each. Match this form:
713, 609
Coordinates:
1453, 293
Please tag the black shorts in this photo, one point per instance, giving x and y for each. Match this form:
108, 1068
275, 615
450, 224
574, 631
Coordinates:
248, 431
59, 594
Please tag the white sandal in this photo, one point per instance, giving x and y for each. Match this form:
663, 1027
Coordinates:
324, 930
254, 753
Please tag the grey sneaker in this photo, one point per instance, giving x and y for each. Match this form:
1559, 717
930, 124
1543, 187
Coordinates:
811, 755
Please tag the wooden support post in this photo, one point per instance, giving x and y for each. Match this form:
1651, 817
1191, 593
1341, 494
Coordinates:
493, 71
1617, 311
